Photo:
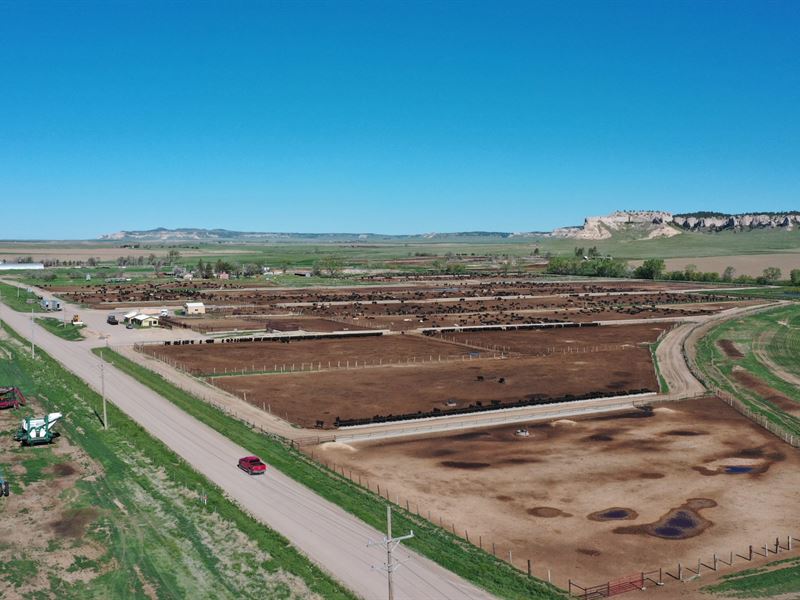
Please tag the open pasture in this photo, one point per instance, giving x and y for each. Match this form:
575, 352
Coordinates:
597, 498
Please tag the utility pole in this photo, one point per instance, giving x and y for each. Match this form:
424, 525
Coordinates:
103, 390
390, 544
33, 345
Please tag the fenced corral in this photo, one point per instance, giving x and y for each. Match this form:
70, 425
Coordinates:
498, 550
328, 365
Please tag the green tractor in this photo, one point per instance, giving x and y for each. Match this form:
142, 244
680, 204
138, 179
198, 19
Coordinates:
37, 430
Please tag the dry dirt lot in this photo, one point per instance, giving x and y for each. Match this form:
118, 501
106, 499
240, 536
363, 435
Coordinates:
598, 498
264, 356
535, 341
304, 398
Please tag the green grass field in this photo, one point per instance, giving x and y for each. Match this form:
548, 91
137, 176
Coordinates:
19, 299
449, 550
777, 578
66, 276
67, 331
774, 334
150, 533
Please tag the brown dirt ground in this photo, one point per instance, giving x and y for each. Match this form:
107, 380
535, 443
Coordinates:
534, 495
766, 392
730, 349
535, 341
362, 393
263, 356
40, 519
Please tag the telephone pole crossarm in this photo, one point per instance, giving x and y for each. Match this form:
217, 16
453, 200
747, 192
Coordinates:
390, 543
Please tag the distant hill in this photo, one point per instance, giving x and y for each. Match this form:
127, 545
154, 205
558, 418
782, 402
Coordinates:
651, 224
162, 234
628, 224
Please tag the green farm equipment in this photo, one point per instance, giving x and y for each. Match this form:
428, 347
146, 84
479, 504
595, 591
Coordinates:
37, 430
3, 484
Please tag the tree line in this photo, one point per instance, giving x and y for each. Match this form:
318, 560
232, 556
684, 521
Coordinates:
655, 268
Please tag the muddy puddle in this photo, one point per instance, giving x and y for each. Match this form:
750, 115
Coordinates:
679, 523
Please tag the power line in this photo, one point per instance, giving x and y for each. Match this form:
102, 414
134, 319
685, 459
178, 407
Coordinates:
390, 543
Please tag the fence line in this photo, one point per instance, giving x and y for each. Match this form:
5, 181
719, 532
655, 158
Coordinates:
759, 418
318, 366
683, 573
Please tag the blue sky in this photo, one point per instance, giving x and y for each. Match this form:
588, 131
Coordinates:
392, 117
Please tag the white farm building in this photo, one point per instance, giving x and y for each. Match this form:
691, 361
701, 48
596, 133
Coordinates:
194, 308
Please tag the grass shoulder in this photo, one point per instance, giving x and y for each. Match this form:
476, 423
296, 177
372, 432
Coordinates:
66, 331
19, 299
773, 579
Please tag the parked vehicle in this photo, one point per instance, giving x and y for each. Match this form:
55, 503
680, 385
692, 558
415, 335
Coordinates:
252, 465
164, 313
112, 320
129, 326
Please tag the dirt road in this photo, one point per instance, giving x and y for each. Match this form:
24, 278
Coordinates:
332, 538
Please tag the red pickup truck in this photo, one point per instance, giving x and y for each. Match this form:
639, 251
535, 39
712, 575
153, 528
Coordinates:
252, 465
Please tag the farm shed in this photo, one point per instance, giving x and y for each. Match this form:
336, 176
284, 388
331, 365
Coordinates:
194, 308
146, 320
